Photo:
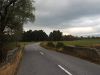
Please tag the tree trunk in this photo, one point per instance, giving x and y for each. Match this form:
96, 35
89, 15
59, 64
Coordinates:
2, 51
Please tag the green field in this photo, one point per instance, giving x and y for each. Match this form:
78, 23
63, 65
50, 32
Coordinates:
90, 42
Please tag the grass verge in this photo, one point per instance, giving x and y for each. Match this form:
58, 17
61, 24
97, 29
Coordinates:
11, 68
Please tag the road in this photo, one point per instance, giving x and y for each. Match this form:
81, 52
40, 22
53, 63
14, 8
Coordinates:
39, 61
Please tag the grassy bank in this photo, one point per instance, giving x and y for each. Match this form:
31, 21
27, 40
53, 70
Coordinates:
85, 53
11, 68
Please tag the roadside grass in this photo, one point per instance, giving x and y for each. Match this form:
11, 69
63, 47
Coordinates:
81, 51
87, 42
11, 68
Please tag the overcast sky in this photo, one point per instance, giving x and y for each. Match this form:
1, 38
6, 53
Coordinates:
76, 17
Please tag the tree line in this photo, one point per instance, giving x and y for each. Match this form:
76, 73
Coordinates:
37, 35
56, 35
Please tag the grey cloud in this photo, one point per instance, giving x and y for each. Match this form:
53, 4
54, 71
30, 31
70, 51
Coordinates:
75, 10
62, 14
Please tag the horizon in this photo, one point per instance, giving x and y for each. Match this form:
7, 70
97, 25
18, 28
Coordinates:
96, 35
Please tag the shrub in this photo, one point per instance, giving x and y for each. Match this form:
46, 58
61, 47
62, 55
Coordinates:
50, 44
59, 45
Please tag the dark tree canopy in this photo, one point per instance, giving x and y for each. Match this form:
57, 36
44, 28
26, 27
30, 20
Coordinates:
37, 35
69, 38
13, 14
55, 35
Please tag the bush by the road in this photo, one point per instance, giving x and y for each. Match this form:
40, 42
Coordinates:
59, 45
50, 44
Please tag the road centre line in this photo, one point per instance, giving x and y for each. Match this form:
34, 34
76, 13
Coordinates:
41, 53
64, 70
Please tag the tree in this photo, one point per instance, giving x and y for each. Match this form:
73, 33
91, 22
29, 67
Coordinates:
13, 14
27, 36
55, 36
37, 35
69, 38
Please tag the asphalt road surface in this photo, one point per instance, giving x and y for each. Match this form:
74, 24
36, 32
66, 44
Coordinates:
39, 61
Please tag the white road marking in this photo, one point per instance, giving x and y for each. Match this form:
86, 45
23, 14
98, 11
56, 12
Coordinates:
41, 53
64, 70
